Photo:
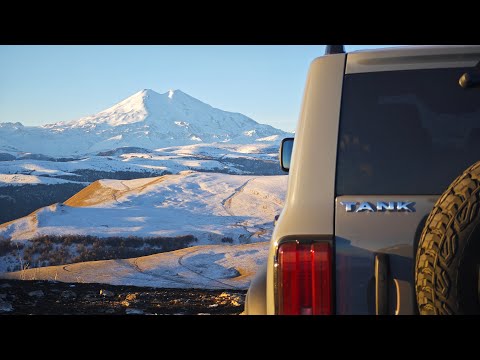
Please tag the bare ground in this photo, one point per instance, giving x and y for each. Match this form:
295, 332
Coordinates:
21, 297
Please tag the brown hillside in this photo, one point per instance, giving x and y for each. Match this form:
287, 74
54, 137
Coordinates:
96, 193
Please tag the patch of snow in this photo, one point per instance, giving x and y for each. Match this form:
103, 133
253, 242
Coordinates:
248, 149
118, 137
182, 123
249, 133
269, 138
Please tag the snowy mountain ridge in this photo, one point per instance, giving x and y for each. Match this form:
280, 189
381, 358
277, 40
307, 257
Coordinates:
146, 119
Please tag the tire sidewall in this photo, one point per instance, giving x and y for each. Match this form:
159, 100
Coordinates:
468, 271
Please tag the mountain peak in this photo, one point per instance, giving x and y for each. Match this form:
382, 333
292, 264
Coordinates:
148, 92
177, 93
144, 93
144, 104
170, 94
176, 96
146, 119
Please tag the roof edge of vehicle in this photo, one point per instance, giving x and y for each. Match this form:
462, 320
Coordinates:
408, 57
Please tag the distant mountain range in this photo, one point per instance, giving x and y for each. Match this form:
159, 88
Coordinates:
147, 120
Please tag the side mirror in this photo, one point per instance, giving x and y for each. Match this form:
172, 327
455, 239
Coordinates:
286, 153
275, 219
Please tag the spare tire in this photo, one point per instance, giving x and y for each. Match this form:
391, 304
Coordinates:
448, 254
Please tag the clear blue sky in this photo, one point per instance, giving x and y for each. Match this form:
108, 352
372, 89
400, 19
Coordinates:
45, 84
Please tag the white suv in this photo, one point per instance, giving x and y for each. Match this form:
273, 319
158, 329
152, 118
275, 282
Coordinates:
381, 135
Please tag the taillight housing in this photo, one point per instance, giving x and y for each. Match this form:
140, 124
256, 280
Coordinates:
304, 278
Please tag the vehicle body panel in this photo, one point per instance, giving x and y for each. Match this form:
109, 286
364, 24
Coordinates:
361, 235
313, 164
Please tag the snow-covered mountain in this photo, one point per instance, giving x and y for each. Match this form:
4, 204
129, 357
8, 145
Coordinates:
146, 119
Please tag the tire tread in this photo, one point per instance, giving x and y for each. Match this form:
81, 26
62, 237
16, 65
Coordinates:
436, 283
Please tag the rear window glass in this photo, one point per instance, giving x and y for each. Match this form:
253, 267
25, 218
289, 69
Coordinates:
406, 132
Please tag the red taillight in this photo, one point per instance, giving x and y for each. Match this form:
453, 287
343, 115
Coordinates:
304, 279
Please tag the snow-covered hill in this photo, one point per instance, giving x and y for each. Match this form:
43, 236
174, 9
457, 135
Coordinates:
146, 120
209, 206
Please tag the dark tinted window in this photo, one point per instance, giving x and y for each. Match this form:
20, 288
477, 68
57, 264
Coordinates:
406, 132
